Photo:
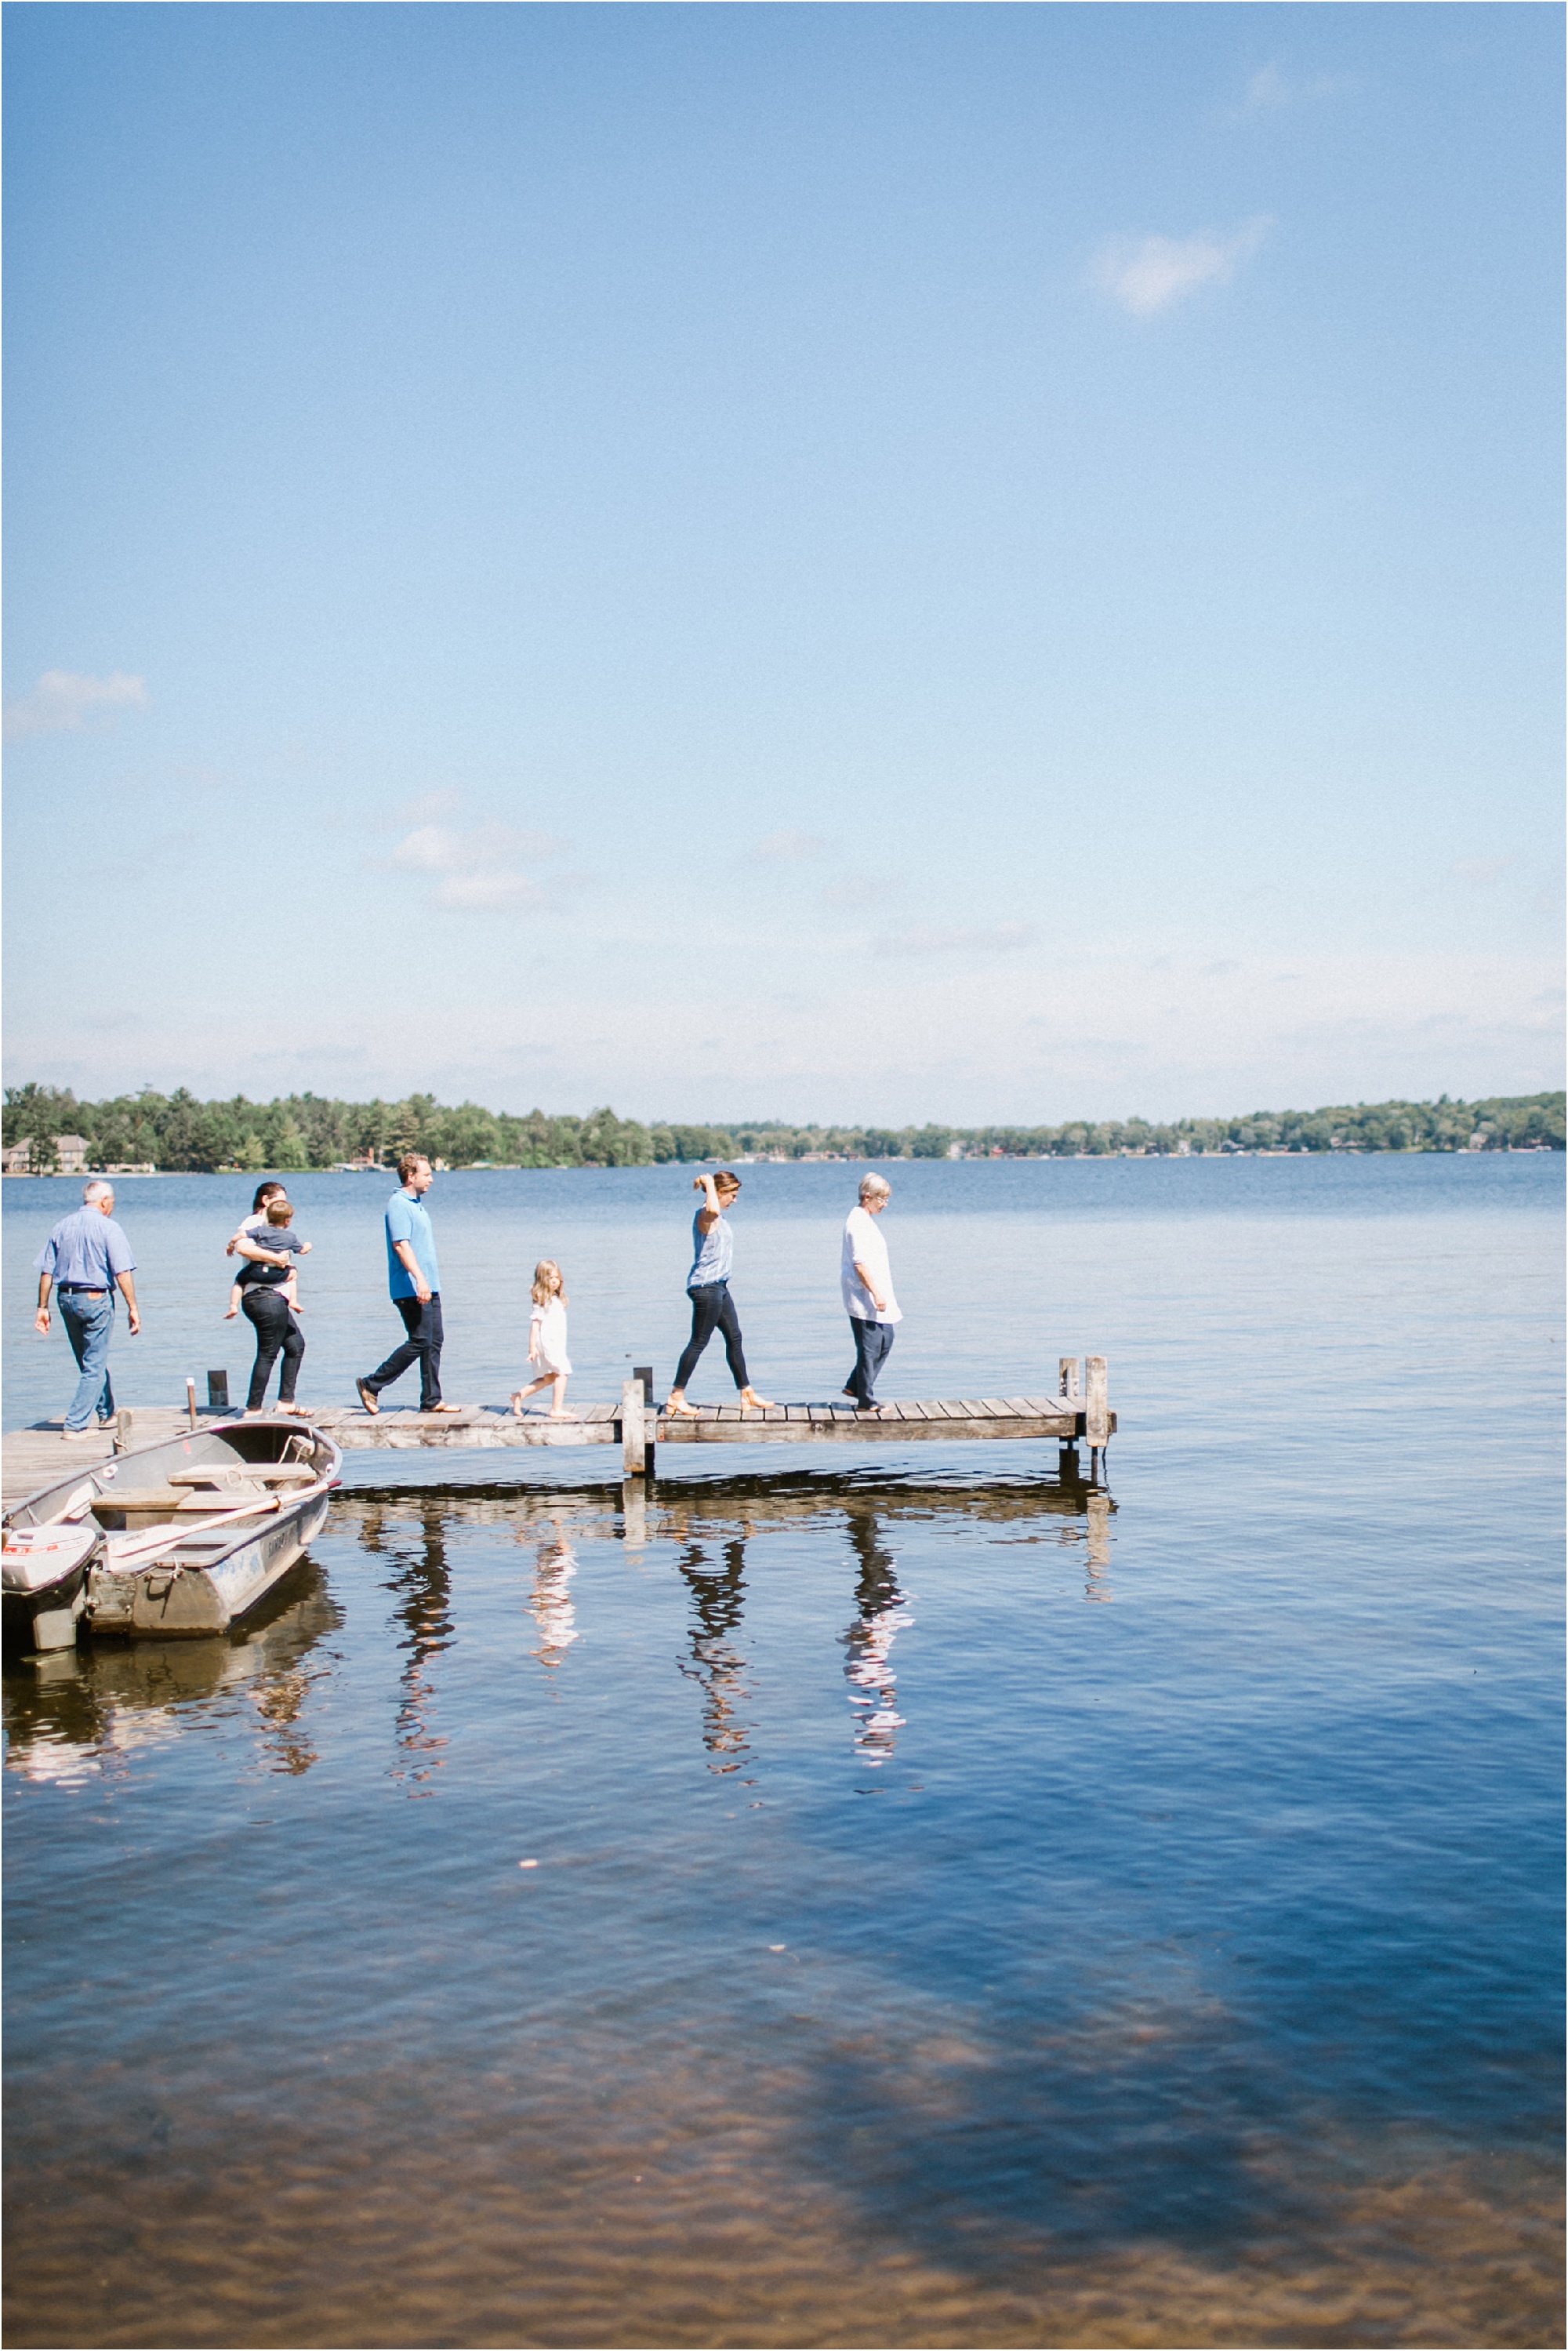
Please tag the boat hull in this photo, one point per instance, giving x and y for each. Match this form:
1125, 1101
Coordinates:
195, 1530
178, 1599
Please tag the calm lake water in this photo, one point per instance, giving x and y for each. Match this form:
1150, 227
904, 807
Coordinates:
961, 1909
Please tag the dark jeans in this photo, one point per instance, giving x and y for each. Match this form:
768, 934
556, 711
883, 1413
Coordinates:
873, 1344
422, 1346
713, 1308
268, 1313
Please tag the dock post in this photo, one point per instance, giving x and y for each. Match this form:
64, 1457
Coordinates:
122, 1430
191, 1403
634, 1441
1097, 1411
1067, 1386
645, 1371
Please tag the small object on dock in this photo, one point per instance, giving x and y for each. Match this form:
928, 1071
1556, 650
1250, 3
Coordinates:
218, 1391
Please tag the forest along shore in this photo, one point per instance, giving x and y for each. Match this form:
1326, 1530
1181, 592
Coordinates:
47, 1131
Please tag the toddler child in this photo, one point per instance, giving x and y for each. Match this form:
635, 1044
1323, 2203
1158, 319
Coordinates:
547, 1340
270, 1234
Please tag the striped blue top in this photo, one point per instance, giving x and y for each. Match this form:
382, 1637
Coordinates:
714, 1253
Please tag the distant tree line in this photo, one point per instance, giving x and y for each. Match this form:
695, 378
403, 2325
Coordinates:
178, 1133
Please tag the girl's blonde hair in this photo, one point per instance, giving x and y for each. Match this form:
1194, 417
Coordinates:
542, 1292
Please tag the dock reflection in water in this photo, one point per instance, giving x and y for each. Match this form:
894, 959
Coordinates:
1077, 2034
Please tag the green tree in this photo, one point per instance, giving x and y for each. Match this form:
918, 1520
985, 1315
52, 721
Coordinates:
291, 1156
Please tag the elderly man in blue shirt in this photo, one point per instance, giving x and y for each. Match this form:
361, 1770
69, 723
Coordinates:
84, 1258
413, 1277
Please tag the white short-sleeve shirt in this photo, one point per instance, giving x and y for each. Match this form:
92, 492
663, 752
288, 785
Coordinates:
864, 1240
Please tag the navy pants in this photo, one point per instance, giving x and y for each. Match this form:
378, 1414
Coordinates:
422, 1346
713, 1308
873, 1344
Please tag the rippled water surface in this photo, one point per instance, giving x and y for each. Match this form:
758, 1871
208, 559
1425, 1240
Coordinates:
927, 1902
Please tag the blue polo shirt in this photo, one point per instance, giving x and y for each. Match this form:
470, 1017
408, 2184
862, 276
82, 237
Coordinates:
407, 1221
86, 1248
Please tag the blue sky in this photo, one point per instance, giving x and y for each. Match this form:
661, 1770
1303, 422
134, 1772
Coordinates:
897, 562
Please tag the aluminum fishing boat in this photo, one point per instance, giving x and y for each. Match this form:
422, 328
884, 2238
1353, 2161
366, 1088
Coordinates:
175, 1539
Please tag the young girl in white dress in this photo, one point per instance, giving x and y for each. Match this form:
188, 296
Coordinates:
547, 1340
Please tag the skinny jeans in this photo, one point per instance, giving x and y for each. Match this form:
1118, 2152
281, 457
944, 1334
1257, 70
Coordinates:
422, 1346
713, 1308
267, 1313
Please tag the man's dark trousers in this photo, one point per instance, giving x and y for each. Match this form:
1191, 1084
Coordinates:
874, 1344
422, 1346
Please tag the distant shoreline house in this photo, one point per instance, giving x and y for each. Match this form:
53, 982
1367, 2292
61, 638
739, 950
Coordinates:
70, 1157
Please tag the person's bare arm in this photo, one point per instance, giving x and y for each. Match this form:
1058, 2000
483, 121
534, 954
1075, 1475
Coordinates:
877, 1299
410, 1265
258, 1255
133, 1312
41, 1319
709, 1213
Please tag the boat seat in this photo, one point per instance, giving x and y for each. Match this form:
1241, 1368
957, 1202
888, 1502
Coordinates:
247, 1475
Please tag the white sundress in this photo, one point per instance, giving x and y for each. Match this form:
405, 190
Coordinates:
549, 1321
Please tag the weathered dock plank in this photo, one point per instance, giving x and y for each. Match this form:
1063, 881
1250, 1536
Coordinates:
36, 1457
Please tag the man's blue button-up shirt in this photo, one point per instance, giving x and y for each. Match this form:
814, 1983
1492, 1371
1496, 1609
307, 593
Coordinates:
88, 1248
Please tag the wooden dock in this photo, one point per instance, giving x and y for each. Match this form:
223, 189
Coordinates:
34, 1456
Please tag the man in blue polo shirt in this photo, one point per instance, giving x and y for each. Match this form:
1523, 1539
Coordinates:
84, 1258
413, 1277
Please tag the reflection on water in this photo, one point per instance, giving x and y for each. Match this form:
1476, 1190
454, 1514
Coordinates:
84, 1713
421, 1586
717, 1586
868, 1669
1106, 2037
555, 1564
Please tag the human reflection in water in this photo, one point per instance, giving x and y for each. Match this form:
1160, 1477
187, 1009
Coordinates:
718, 1598
873, 1689
422, 1587
550, 1601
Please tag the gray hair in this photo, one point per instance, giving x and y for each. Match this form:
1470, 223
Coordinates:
97, 1190
873, 1187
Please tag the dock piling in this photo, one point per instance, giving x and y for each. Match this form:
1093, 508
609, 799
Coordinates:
1097, 1411
634, 1426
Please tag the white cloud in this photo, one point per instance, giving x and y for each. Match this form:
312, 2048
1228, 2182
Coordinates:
790, 848
448, 849
479, 861
1149, 274
62, 701
999, 938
